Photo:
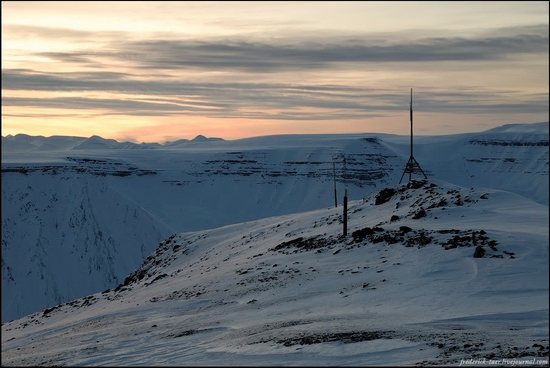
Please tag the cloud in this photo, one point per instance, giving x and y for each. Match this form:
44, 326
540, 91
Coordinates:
154, 81
250, 56
105, 106
21, 31
288, 103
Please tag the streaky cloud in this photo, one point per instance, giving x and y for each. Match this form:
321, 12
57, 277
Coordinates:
243, 55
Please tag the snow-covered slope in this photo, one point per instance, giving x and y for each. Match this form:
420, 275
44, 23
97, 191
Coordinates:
99, 207
65, 236
513, 157
428, 273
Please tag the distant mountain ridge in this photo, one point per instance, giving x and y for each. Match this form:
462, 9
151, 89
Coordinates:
539, 128
58, 142
40, 143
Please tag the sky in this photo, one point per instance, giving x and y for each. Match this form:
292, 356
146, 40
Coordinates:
162, 71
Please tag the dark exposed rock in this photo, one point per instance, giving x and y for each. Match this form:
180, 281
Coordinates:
345, 337
479, 252
161, 276
388, 237
359, 235
404, 229
441, 203
415, 184
384, 195
420, 240
496, 142
185, 333
301, 244
419, 214
48, 310
135, 276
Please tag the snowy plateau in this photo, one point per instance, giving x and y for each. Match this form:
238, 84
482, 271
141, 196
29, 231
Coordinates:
209, 252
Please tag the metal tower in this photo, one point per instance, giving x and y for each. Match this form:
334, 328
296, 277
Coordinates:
412, 165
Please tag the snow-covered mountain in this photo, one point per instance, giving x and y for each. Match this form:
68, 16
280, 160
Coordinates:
80, 214
423, 273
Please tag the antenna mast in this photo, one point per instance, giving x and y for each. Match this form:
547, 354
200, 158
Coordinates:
412, 165
411, 118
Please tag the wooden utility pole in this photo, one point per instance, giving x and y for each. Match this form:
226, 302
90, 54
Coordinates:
346, 212
334, 176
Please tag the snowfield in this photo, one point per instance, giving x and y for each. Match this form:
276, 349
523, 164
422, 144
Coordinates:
452, 270
401, 288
